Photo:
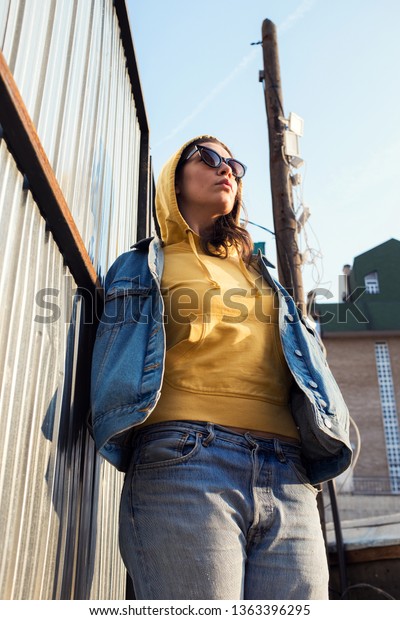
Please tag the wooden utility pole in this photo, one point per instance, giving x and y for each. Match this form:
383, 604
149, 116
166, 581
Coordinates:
288, 255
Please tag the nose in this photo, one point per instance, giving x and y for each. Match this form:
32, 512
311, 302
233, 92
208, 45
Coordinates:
224, 168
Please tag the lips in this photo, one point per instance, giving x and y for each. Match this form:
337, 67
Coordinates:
226, 182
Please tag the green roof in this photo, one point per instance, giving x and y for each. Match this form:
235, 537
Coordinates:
377, 309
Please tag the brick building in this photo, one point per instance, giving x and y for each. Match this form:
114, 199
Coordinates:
362, 337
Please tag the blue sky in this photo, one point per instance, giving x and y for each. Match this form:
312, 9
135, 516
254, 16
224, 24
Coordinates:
340, 72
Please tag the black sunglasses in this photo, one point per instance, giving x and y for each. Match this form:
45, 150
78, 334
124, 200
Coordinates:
214, 160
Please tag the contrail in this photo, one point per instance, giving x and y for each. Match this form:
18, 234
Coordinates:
238, 69
288, 23
298, 14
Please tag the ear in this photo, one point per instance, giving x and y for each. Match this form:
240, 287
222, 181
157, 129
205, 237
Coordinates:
177, 189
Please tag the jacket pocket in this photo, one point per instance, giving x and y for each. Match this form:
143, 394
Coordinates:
123, 304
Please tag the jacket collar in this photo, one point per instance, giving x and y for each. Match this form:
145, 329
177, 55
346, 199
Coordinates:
142, 245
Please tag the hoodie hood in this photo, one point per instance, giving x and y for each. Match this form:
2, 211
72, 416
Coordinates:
172, 226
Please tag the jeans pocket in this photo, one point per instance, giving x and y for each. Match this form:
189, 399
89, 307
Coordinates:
166, 447
298, 468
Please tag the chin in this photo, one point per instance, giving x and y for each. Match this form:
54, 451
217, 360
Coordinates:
227, 210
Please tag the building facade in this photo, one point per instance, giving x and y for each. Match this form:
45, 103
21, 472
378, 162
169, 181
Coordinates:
362, 337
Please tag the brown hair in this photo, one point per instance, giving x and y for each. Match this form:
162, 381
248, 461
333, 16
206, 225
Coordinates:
227, 230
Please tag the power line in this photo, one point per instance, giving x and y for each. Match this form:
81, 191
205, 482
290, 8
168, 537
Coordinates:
259, 226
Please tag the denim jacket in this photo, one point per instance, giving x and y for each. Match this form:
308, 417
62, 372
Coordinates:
129, 355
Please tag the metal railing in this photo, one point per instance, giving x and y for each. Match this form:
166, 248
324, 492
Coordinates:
376, 486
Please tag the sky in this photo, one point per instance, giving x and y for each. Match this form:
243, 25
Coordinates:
339, 64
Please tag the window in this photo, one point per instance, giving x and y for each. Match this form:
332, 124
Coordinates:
372, 283
389, 413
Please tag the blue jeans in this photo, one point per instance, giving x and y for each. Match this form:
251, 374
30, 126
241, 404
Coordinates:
207, 513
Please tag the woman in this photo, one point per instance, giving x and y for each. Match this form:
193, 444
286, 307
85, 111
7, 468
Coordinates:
213, 394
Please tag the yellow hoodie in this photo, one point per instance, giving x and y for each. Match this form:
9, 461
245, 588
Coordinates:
224, 360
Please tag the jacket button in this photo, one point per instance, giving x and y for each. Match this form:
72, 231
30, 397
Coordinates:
290, 317
313, 384
298, 353
327, 423
323, 403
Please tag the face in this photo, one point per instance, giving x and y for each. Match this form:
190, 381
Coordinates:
205, 193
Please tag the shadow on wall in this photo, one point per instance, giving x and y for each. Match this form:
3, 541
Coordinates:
74, 473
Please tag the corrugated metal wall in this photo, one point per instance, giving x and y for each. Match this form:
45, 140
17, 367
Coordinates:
59, 501
67, 59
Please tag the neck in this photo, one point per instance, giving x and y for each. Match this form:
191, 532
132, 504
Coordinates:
197, 226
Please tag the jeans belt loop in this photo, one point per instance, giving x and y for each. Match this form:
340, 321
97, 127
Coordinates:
210, 436
278, 451
251, 441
